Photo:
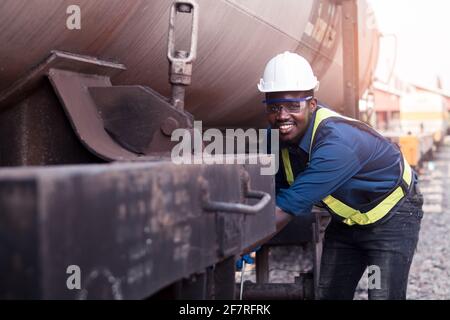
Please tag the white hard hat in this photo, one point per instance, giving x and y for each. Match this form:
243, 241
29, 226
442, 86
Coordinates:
288, 72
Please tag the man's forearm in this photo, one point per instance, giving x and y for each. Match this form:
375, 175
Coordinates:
282, 219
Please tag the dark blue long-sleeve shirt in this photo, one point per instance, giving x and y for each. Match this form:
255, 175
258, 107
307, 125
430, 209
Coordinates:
354, 165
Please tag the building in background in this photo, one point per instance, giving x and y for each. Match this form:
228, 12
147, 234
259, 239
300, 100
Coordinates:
387, 106
424, 110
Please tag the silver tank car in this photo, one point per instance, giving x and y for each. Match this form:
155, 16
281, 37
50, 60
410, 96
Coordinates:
236, 39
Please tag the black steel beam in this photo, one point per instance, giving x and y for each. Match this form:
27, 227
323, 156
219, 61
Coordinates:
133, 229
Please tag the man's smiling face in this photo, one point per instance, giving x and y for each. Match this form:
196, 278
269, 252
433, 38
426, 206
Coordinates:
292, 126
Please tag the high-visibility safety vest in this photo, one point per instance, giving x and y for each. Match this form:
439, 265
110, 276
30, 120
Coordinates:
350, 215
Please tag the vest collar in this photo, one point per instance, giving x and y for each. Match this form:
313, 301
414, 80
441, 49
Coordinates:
305, 141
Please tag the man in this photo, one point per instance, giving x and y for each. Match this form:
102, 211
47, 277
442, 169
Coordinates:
358, 175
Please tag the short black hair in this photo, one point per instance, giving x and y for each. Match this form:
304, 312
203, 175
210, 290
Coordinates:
310, 93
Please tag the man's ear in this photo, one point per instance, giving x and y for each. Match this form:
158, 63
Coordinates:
313, 105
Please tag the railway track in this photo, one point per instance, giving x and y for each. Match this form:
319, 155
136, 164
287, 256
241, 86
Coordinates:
430, 270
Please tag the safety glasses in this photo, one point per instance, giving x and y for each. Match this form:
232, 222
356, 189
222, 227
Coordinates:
295, 105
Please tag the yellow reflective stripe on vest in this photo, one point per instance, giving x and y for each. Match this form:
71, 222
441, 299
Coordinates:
407, 173
351, 215
287, 166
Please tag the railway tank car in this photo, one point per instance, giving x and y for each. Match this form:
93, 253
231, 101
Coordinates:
143, 226
236, 39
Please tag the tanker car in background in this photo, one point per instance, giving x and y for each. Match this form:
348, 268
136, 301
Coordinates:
86, 118
424, 119
413, 116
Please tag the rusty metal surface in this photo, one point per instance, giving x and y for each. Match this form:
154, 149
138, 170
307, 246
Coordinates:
138, 118
298, 231
215, 283
36, 132
259, 182
264, 198
113, 123
301, 289
262, 265
132, 228
71, 89
36, 129
180, 60
236, 39
37, 73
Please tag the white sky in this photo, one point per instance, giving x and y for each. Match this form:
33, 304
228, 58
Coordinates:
422, 28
